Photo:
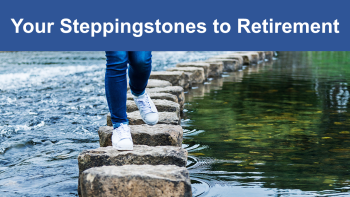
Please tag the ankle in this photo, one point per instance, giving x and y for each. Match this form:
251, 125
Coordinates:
116, 125
138, 95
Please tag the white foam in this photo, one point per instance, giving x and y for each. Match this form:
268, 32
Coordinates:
35, 76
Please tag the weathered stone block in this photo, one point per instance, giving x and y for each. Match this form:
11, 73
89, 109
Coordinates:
269, 55
135, 118
157, 135
205, 66
215, 68
230, 65
161, 96
154, 83
141, 155
175, 78
161, 105
235, 56
250, 57
261, 55
175, 90
136, 181
196, 74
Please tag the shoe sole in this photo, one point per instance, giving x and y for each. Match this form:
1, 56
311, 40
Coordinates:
151, 124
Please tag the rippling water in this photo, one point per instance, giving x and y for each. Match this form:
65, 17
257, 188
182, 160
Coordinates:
51, 106
275, 129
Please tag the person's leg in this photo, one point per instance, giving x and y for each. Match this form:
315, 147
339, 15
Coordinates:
139, 71
116, 86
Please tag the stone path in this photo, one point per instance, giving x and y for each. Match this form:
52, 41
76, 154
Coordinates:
156, 166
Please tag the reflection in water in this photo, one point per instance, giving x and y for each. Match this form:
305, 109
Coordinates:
278, 129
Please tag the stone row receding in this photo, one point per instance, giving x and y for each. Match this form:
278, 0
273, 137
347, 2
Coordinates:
188, 73
156, 165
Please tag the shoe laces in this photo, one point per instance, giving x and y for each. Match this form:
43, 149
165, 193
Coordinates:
123, 131
144, 104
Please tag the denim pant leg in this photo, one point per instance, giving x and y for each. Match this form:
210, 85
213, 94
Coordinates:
139, 70
116, 86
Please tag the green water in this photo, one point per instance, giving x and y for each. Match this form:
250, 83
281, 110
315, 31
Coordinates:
274, 129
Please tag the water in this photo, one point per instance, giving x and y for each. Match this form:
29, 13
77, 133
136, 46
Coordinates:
279, 129
51, 106
273, 129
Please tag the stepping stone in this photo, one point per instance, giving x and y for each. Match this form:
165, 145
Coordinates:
261, 55
136, 180
154, 83
161, 105
196, 74
205, 66
157, 135
164, 118
175, 78
230, 65
161, 96
141, 155
215, 69
269, 55
250, 57
175, 90
235, 56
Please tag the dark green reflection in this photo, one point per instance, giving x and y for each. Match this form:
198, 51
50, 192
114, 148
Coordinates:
289, 122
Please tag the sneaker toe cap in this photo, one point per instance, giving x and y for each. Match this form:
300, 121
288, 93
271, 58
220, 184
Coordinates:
151, 118
125, 144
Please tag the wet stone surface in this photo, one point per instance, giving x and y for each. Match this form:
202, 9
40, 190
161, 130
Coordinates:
154, 83
175, 90
141, 155
136, 180
175, 78
135, 118
229, 65
215, 68
205, 66
237, 57
161, 105
196, 74
251, 57
161, 96
157, 135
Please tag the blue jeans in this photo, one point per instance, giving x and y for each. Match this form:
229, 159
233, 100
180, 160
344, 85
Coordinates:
116, 83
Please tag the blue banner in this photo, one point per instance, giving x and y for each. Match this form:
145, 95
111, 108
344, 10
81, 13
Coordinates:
203, 25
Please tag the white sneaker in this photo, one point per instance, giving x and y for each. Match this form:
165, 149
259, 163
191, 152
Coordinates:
121, 138
148, 110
